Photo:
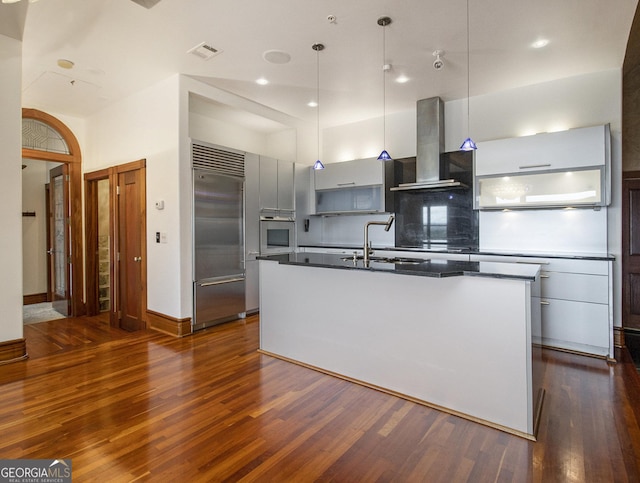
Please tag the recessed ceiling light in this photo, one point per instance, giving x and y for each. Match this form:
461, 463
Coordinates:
538, 44
402, 79
262, 81
312, 104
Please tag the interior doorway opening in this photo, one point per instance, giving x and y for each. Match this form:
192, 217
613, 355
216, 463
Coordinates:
40, 258
52, 219
115, 234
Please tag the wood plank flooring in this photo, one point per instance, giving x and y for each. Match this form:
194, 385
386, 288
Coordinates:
144, 406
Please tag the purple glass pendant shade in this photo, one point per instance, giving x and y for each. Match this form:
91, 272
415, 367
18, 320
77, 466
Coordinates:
384, 156
468, 145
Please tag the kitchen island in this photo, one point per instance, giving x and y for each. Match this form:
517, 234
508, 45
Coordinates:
456, 336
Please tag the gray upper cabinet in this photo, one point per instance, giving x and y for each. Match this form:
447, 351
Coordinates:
276, 185
286, 192
350, 187
349, 174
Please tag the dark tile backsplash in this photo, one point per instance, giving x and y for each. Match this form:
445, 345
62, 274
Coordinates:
436, 218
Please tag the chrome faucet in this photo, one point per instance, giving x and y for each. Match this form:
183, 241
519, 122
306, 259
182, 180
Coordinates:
387, 225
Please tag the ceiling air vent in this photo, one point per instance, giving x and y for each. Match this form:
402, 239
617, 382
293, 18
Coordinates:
203, 51
146, 3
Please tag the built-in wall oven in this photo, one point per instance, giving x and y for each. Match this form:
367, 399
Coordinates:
277, 234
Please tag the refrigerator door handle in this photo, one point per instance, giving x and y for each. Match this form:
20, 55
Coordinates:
219, 282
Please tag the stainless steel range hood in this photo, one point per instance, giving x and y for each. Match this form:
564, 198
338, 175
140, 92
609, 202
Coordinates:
430, 145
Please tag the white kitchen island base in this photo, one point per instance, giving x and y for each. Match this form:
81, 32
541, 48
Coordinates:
461, 344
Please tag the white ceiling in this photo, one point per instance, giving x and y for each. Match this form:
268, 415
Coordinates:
120, 47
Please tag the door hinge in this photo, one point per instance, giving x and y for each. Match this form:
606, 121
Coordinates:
117, 190
67, 178
118, 257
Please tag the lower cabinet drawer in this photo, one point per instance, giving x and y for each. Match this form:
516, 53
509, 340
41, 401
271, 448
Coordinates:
578, 326
578, 287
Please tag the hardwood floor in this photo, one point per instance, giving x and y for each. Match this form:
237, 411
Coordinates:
208, 407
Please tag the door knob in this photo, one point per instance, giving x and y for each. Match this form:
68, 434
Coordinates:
137, 259
50, 251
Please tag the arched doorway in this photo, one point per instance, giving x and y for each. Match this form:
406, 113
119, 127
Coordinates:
46, 138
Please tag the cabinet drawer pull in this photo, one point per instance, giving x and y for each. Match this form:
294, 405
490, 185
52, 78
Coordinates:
347, 184
532, 166
533, 263
544, 276
544, 302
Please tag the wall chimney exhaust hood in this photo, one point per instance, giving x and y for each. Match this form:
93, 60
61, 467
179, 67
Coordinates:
432, 169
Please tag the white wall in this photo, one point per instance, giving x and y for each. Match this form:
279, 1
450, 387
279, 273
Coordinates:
34, 228
282, 145
11, 189
145, 125
214, 131
364, 139
578, 101
207, 125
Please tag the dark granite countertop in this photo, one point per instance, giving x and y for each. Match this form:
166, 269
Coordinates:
410, 266
473, 251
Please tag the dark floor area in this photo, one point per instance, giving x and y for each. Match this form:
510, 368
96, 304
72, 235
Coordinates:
632, 341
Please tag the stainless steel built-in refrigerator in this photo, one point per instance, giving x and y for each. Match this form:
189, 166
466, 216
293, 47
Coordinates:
218, 234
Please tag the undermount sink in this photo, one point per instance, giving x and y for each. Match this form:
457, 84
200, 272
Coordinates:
397, 260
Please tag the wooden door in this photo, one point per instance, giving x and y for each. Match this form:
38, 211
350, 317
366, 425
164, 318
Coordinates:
631, 250
59, 250
47, 198
131, 266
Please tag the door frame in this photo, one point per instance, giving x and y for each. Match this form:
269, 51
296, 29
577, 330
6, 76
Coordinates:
91, 230
91, 240
57, 303
628, 178
74, 162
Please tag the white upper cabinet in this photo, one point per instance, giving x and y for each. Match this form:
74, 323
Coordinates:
561, 169
276, 185
579, 187
575, 148
349, 174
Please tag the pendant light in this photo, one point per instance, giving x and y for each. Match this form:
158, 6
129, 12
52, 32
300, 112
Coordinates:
384, 155
318, 47
468, 144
